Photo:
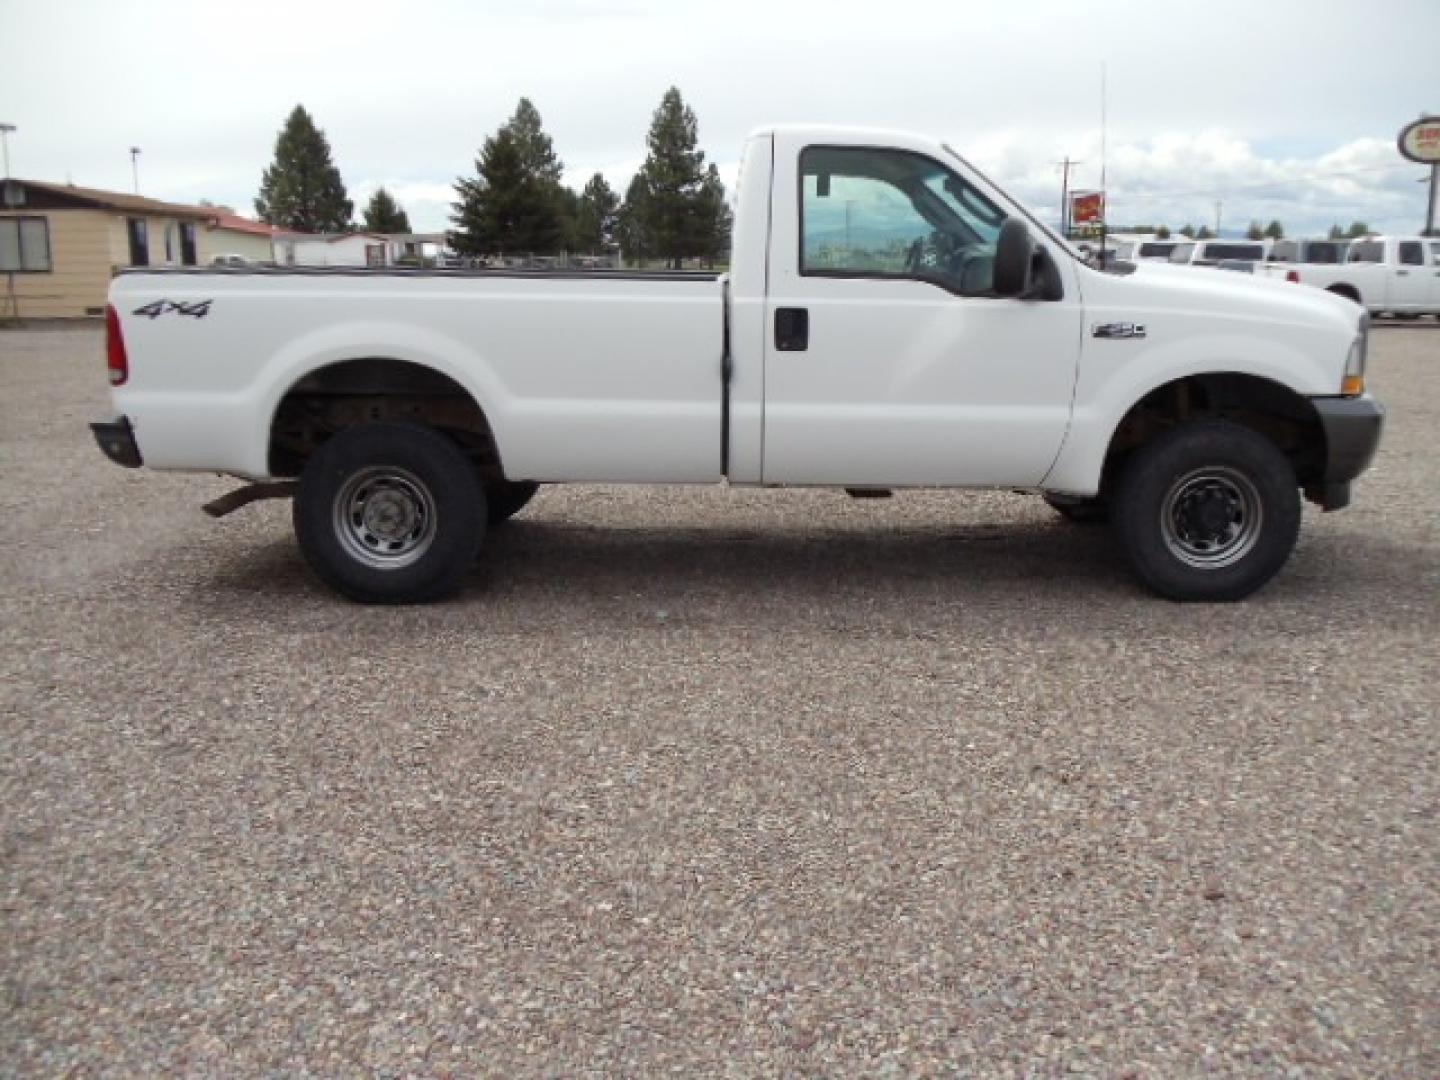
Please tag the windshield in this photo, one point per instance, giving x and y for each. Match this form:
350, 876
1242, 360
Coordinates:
1050, 233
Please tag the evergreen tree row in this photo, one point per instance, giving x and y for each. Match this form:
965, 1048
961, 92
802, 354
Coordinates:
516, 204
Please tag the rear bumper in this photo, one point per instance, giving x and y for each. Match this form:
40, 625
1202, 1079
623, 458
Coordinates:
116, 439
1352, 434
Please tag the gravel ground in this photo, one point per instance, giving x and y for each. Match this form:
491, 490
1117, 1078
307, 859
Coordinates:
715, 781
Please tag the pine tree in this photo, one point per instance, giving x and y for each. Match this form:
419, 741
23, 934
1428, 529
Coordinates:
715, 218
596, 217
1162, 233
630, 223
679, 212
1337, 233
1255, 232
514, 202
384, 215
1188, 230
302, 190
1203, 233
1275, 231
1357, 230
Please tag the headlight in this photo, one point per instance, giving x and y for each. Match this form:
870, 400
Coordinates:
1353, 383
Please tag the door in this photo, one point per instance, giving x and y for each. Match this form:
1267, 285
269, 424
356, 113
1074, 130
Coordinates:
888, 358
1411, 288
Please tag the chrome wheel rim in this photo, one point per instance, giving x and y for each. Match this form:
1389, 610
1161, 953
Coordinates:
1211, 518
384, 517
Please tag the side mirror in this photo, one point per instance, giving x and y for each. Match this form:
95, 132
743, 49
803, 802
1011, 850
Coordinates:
1014, 253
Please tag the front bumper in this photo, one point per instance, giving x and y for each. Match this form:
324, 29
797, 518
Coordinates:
1352, 429
117, 439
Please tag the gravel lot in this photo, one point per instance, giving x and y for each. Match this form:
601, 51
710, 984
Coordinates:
712, 781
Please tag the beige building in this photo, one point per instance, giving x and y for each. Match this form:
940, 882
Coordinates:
61, 244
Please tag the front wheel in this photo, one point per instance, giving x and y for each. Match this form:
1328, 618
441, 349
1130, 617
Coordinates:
1210, 510
390, 513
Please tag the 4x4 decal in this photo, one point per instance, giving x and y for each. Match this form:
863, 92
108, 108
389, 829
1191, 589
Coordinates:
195, 309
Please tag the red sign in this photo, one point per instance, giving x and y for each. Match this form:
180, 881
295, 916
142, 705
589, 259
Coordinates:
1087, 207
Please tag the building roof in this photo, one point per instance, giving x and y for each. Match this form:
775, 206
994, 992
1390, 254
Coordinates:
47, 196
224, 219
335, 238
84, 197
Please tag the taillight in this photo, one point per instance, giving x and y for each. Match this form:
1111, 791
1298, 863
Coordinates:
115, 358
1293, 276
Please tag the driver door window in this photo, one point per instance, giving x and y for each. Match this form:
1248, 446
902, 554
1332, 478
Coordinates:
894, 214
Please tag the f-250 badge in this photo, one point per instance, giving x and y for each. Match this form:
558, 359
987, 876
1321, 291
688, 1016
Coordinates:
196, 310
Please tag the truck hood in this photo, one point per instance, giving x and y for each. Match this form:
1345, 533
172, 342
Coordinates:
1227, 293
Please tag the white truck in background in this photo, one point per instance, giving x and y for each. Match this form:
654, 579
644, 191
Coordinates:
891, 319
1387, 275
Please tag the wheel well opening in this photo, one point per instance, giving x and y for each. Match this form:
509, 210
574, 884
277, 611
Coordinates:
1275, 411
350, 392
1347, 291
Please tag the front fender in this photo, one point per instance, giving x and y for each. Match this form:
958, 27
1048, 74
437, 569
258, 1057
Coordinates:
1197, 322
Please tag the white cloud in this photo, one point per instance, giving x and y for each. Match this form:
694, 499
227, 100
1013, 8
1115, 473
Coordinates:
1173, 178
1215, 100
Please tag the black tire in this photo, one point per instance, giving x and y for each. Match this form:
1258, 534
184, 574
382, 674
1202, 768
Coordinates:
1209, 510
507, 498
390, 513
1080, 511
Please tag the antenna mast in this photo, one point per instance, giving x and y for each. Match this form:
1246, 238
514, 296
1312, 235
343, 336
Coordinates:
1104, 191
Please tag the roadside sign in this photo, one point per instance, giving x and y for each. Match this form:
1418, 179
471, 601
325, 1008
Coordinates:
1420, 140
1087, 207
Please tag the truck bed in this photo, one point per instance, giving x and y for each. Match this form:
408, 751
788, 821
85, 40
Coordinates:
585, 375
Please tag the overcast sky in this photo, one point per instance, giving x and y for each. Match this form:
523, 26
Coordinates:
1279, 108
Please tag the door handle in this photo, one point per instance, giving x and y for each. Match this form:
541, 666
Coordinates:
792, 329
1402, 273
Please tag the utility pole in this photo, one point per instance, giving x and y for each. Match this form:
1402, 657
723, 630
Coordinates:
1431, 212
1218, 205
5, 130
1065, 167
135, 167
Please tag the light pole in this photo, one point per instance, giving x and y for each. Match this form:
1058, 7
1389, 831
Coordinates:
5, 130
135, 167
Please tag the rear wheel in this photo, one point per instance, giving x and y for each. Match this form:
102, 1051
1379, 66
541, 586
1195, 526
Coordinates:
390, 513
1210, 510
507, 498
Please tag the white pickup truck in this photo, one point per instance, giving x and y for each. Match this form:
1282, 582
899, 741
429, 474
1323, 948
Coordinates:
1387, 275
891, 319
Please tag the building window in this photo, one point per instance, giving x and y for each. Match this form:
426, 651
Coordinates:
139, 241
25, 245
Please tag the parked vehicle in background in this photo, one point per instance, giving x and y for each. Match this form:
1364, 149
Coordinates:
1324, 252
1387, 275
1147, 249
1214, 252
892, 319
230, 260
